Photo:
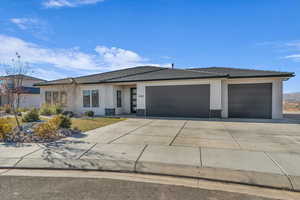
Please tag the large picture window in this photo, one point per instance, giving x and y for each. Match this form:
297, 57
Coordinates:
90, 98
55, 97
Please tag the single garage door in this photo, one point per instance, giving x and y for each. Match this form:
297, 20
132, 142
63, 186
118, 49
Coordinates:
250, 100
178, 101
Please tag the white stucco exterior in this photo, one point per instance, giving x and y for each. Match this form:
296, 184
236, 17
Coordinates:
108, 100
26, 100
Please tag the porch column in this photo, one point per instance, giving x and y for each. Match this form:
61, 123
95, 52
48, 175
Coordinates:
277, 99
215, 98
141, 99
109, 100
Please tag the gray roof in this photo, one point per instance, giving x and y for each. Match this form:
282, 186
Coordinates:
25, 77
244, 73
151, 73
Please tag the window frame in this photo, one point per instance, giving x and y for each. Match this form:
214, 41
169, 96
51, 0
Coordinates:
83, 98
97, 105
58, 100
46, 97
92, 102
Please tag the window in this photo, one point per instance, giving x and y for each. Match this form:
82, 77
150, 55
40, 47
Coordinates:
63, 98
119, 98
90, 98
55, 97
95, 98
86, 94
48, 97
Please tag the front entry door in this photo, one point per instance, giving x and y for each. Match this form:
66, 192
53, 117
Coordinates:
133, 100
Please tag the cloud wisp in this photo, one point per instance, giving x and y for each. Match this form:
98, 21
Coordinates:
36, 27
25, 23
285, 47
70, 59
68, 3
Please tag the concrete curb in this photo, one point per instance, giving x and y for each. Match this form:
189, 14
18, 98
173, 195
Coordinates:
242, 167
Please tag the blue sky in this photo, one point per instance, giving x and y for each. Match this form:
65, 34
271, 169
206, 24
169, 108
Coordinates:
63, 38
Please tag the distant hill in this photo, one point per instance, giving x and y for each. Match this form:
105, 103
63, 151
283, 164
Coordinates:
292, 97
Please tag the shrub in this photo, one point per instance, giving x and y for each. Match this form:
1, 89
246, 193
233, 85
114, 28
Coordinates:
7, 108
46, 130
46, 110
89, 113
31, 116
57, 109
61, 121
68, 113
23, 109
5, 128
49, 129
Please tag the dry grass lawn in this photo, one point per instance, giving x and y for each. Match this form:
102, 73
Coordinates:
83, 124
93, 123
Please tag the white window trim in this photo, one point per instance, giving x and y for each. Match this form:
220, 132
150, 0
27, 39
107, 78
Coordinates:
91, 101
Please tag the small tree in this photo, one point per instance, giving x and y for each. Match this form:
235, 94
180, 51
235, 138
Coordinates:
12, 84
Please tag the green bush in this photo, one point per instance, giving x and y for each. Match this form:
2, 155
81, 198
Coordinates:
31, 116
57, 109
61, 121
89, 113
68, 113
46, 110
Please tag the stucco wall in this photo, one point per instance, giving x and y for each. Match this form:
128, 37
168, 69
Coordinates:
218, 94
30, 100
107, 97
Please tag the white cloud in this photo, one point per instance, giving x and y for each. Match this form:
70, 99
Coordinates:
71, 59
36, 27
32, 53
296, 46
294, 57
68, 3
25, 23
118, 57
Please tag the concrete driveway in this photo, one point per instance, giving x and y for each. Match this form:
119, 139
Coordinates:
255, 135
257, 153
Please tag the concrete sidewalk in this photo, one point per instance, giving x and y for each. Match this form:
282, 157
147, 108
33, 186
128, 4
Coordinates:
278, 170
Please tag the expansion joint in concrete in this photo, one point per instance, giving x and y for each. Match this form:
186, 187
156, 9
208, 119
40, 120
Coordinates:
87, 150
281, 169
137, 160
182, 127
115, 139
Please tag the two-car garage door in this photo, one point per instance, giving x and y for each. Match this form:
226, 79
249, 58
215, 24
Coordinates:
244, 100
178, 100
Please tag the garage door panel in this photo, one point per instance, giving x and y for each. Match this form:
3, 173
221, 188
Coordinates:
250, 100
178, 100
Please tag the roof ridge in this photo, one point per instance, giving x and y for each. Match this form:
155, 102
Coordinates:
215, 73
161, 68
118, 70
245, 69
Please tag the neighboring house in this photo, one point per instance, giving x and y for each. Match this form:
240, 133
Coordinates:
30, 96
155, 91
